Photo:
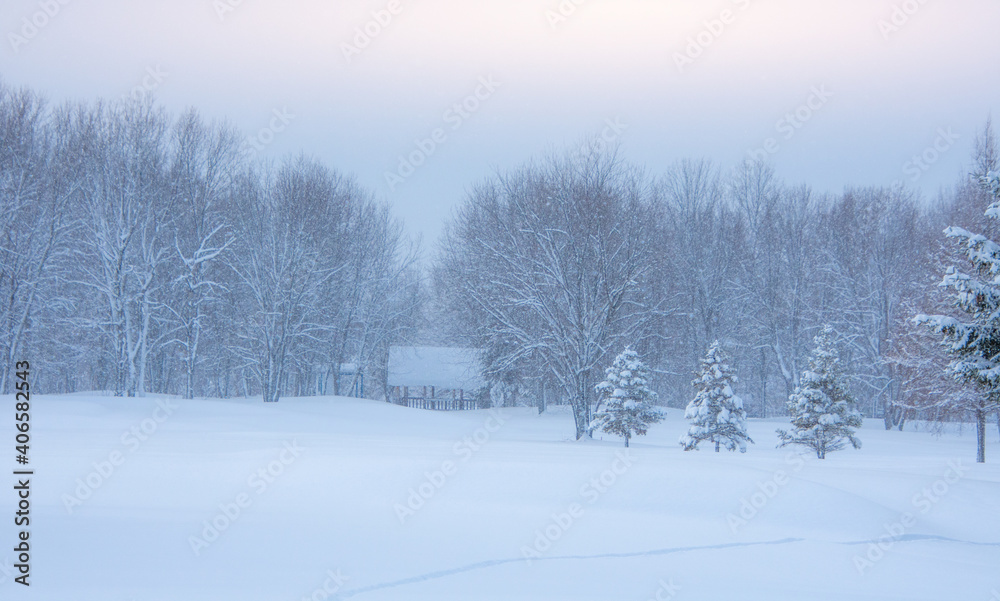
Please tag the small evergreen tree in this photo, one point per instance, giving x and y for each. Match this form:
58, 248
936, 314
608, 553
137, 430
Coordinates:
823, 412
716, 413
625, 407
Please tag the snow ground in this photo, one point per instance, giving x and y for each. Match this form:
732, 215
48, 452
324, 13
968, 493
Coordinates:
661, 528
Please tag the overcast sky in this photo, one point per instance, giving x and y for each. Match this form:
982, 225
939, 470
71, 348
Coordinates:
868, 84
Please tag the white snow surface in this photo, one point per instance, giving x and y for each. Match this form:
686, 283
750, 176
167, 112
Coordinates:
659, 531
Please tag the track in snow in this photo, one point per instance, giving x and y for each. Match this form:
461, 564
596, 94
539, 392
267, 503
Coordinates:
497, 562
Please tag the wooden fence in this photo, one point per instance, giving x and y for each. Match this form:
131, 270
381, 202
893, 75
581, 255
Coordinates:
427, 397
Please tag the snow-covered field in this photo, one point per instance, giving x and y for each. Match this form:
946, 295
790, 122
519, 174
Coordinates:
374, 501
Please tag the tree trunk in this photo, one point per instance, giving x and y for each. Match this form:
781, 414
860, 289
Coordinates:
194, 337
980, 436
271, 380
189, 382
580, 417
626, 442
581, 407
763, 383
716, 446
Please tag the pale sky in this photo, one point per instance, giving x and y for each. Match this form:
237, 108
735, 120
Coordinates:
886, 91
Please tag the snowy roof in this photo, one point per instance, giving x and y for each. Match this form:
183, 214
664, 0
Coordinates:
442, 367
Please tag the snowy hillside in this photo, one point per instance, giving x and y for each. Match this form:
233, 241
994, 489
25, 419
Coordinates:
375, 501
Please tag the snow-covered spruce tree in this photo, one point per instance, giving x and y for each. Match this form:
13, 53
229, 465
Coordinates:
823, 412
625, 407
716, 412
974, 345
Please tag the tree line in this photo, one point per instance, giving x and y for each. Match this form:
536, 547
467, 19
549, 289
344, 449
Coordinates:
555, 266
145, 252
149, 252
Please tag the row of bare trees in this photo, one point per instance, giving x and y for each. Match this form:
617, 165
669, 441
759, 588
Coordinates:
144, 252
553, 267
148, 253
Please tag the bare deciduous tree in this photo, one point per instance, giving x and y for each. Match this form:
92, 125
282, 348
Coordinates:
552, 260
